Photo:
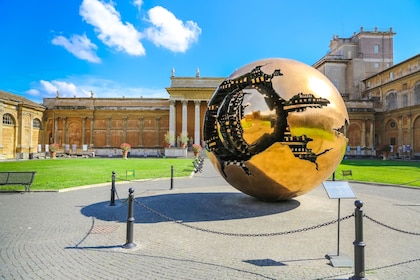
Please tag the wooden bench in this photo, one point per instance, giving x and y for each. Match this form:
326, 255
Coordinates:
17, 178
346, 173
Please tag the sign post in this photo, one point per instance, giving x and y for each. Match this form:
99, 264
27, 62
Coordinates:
338, 190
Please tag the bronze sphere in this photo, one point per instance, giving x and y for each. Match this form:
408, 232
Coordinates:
274, 129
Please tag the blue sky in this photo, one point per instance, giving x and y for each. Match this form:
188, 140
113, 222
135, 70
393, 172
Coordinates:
128, 47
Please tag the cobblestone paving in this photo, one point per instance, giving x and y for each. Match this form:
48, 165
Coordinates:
195, 231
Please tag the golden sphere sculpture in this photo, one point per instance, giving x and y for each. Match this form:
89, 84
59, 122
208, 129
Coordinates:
274, 129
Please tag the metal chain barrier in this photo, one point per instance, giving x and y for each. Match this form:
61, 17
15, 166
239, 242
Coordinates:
391, 265
239, 234
370, 269
164, 175
389, 227
359, 204
114, 190
119, 199
266, 234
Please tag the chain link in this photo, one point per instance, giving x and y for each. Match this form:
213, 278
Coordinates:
262, 234
239, 234
369, 269
164, 175
145, 180
119, 199
387, 226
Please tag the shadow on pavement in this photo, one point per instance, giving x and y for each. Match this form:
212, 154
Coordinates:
189, 207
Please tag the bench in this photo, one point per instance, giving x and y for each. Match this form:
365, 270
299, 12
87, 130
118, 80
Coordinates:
17, 178
346, 173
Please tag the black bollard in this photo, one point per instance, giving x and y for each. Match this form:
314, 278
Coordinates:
359, 245
172, 177
130, 221
112, 203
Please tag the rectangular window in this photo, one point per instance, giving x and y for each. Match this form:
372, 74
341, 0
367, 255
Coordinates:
392, 141
405, 100
376, 48
391, 75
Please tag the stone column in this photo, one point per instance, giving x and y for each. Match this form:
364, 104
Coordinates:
363, 142
92, 138
125, 120
55, 130
400, 131
18, 132
372, 135
141, 127
31, 131
83, 130
410, 132
65, 140
108, 132
157, 131
172, 119
197, 122
184, 116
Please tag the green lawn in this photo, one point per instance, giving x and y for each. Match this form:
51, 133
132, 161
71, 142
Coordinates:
397, 172
63, 173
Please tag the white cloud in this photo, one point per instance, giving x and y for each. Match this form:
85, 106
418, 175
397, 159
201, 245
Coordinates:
138, 3
114, 91
65, 89
33, 92
101, 88
170, 32
79, 46
105, 88
111, 31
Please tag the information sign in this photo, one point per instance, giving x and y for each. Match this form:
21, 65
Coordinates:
338, 189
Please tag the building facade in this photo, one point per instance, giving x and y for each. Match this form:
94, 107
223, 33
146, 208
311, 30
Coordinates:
357, 63
382, 99
103, 124
395, 95
21, 128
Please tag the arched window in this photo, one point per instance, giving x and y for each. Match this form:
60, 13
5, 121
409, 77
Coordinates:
8, 119
417, 93
36, 123
391, 101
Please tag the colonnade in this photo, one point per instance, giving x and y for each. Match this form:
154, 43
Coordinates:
197, 119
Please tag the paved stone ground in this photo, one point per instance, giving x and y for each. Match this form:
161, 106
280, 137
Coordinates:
203, 229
